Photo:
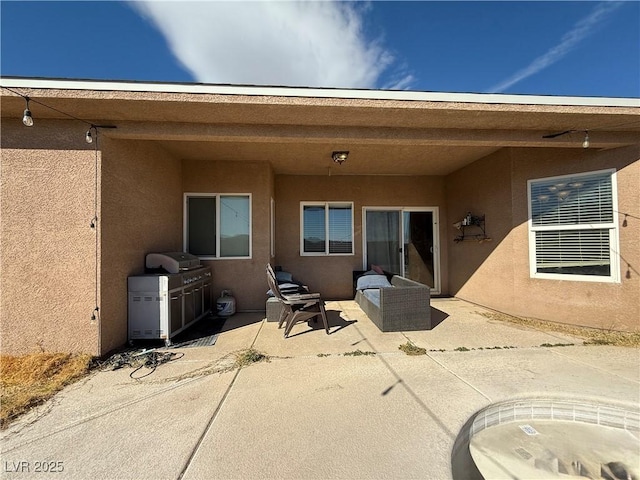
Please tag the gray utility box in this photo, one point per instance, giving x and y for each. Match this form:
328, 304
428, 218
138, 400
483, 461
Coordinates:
162, 305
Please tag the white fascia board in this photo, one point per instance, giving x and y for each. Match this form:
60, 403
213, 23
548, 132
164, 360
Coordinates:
308, 92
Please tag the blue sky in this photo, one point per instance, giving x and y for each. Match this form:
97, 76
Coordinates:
542, 48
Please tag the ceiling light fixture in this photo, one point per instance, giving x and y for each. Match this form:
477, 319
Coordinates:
339, 157
88, 137
585, 144
27, 119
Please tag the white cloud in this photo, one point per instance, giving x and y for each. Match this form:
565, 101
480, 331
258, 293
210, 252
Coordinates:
585, 27
292, 43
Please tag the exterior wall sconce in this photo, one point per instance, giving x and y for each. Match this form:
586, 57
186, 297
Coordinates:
471, 228
339, 157
585, 143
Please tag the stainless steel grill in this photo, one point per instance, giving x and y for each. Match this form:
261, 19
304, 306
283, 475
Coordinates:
175, 294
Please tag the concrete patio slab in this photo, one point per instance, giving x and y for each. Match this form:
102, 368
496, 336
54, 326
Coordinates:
327, 418
150, 437
459, 324
511, 373
349, 405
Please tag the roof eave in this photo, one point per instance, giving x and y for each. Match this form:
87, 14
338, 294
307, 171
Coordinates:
311, 92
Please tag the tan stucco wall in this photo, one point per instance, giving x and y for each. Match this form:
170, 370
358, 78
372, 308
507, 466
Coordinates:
332, 275
48, 249
245, 278
497, 274
482, 188
141, 213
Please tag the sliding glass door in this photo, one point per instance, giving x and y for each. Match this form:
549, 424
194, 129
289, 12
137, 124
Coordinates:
404, 242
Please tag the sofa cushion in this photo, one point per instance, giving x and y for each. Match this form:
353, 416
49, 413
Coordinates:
369, 272
372, 281
373, 295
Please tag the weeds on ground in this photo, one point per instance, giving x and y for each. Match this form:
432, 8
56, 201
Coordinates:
465, 349
411, 349
29, 380
248, 357
357, 353
591, 336
231, 361
550, 345
324, 355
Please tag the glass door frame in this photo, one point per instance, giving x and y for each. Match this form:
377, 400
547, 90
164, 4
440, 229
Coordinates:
436, 238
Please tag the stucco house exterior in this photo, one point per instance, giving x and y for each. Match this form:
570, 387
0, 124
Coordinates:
490, 198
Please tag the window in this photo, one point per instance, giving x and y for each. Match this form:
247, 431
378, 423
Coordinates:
573, 229
327, 228
218, 226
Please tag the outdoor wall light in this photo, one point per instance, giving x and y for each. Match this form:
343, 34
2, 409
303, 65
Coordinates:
585, 143
339, 157
93, 132
27, 119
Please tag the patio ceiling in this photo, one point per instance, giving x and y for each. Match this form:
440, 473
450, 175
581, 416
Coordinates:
296, 135
315, 158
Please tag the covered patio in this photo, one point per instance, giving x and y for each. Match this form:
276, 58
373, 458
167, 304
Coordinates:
435, 157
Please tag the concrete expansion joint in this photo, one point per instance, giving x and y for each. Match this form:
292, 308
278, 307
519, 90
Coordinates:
95, 416
216, 412
634, 380
210, 423
460, 378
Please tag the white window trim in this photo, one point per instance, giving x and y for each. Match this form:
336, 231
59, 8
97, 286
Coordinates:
185, 217
272, 236
613, 227
326, 205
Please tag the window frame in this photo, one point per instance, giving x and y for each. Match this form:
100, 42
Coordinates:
217, 196
612, 227
327, 206
272, 224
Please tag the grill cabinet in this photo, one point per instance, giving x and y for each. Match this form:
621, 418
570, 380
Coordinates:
161, 305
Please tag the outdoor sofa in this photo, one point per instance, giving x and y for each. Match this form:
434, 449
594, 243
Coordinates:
394, 306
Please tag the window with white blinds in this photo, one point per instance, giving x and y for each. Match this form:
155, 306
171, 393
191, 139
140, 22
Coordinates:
573, 227
327, 228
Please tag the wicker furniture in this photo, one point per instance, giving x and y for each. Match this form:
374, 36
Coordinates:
274, 309
404, 306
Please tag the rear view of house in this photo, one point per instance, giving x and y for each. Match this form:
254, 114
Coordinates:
527, 205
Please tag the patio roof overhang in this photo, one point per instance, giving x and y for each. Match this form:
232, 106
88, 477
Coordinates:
296, 129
